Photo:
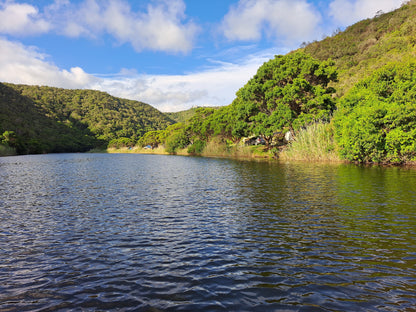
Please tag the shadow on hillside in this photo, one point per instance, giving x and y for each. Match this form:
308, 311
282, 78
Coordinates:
36, 132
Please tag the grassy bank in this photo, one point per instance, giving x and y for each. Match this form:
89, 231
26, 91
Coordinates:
315, 143
215, 148
138, 150
7, 150
212, 149
312, 144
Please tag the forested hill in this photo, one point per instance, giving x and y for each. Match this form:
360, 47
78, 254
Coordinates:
183, 116
37, 119
369, 45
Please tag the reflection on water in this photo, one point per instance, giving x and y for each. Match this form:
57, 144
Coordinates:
147, 233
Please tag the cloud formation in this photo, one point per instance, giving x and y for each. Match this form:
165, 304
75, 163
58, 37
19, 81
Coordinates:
347, 12
251, 19
161, 27
21, 64
21, 19
214, 86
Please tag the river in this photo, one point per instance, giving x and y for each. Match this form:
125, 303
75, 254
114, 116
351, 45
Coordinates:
129, 232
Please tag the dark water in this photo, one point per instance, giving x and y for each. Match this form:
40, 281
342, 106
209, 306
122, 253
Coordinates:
105, 232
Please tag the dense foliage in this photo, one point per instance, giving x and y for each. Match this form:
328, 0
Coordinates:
173, 138
183, 116
368, 45
28, 128
376, 116
287, 93
376, 121
46, 119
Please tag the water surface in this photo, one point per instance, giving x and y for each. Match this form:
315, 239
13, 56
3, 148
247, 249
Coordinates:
90, 232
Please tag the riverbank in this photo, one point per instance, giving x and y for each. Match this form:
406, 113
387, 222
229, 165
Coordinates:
138, 150
313, 144
7, 151
238, 151
212, 149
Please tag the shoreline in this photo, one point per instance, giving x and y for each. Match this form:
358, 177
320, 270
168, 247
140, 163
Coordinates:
252, 157
244, 153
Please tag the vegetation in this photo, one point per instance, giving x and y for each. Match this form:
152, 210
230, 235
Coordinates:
373, 99
6, 150
121, 142
45, 119
287, 93
368, 45
351, 96
376, 121
197, 147
314, 143
183, 116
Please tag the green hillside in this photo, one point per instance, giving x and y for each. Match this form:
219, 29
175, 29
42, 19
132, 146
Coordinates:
183, 116
45, 119
369, 45
359, 86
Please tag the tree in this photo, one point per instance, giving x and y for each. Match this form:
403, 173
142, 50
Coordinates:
121, 142
198, 126
287, 92
176, 140
152, 138
9, 138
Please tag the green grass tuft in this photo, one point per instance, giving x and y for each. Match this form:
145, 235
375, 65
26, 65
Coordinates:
315, 143
7, 150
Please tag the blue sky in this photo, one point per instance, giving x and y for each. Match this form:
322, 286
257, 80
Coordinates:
171, 54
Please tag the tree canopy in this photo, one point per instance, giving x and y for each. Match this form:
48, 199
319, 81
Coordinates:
287, 92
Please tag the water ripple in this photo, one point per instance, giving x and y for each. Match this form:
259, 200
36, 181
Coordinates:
155, 233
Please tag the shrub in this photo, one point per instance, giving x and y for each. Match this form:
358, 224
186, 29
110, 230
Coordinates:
121, 142
197, 148
175, 141
6, 150
376, 120
314, 143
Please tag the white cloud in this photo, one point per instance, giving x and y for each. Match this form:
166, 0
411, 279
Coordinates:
347, 12
21, 19
161, 28
21, 64
285, 20
213, 86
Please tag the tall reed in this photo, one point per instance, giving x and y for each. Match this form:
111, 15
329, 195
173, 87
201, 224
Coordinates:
6, 150
315, 143
217, 148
